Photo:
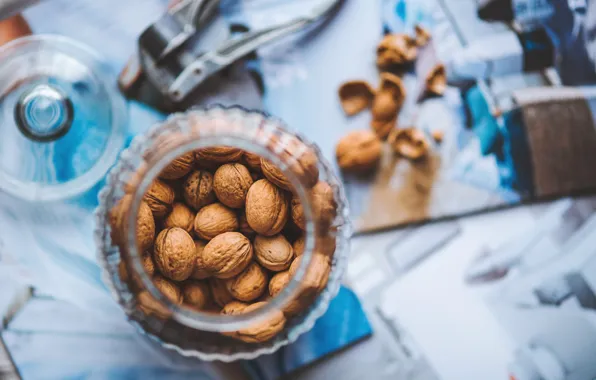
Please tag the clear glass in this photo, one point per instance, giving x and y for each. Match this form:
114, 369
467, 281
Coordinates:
190, 332
62, 119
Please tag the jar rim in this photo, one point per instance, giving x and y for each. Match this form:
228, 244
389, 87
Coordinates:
204, 320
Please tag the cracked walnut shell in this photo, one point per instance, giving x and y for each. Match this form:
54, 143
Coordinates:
358, 151
213, 220
180, 216
231, 183
395, 50
175, 254
227, 254
422, 35
267, 208
198, 189
160, 198
410, 143
249, 284
274, 252
436, 81
386, 105
178, 168
355, 96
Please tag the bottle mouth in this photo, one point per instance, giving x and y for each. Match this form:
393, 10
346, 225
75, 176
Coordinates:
259, 144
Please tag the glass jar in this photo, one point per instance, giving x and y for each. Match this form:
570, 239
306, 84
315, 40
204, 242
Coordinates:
200, 333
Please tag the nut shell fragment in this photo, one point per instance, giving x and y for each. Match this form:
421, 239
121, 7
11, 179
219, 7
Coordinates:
436, 81
410, 143
422, 35
387, 104
396, 50
356, 96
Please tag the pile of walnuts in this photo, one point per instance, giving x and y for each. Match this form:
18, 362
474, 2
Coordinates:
360, 151
221, 231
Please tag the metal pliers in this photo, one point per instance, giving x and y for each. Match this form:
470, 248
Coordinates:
171, 62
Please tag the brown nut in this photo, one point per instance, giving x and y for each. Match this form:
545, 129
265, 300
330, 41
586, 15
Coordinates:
196, 294
438, 136
148, 264
274, 252
227, 254
304, 166
264, 330
175, 254
218, 154
356, 96
168, 289
317, 273
234, 308
358, 151
409, 143
213, 220
279, 282
231, 183
219, 292
160, 198
249, 284
387, 104
436, 81
200, 272
178, 168
298, 245
145, 223
253, 161
267, 208
198, 189
243, 225
298, 213
422, 35
323, 205
180, 216
150, 306
396, 50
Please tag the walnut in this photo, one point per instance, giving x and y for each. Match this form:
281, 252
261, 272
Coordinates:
323, 205
249, 284
234, 308
253, 161
410, 143
148, 264
231, 183
175, 253
304, 164
396, 50
298, 213
198, 189
266, 208
213, 220
279, 282
145, 223
317, 272
243, 225
436, 81
178, 168
199, 272
298, 246
180, 216
358, 151
264, 330
325, 244
227, 254
356, 96
150, 306
168, 289
218, 154
386, 105
219, 292
274, 253
160, 197
196, 294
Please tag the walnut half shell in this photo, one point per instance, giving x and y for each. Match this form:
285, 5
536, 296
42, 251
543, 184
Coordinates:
387, 104
356, 96
436, 81
410, 143
396, 49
